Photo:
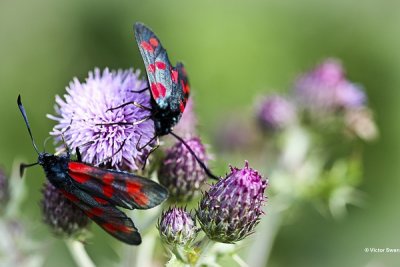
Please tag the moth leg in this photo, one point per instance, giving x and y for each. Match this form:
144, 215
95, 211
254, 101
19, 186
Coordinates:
140, 91
78, 151
126, 123
148, 143
130, 103
151, 150
78, 154
110, 157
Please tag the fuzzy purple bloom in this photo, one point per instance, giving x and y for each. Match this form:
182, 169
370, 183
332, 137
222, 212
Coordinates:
82, 113
326, 88
61, 214
180, 172
232, 207
177, 227
275, 113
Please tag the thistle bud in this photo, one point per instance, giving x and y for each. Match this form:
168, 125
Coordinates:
232, 207
275, 113
60, 213
180, 172
326, 89
177, 227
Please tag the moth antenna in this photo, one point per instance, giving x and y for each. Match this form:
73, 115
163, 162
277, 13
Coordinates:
45, 143
23, 166
207, 170
22, 109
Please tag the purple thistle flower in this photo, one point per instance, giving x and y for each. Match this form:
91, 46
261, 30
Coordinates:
232, 207
180, 172
177, 227
326, 88
61, 214
85, 107
275, 113
187, 124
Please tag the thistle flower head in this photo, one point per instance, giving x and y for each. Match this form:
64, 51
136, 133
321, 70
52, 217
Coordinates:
326, 88
180, 172
232, 207
61, 214
177, 227
84, 118
275, 113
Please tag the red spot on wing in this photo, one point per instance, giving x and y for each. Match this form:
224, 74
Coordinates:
100, 200
79, 167
181, 106
151, 68
108, 178
146, 46
153, 41
94, 212
69, 196
162, 89
108, 189
134, 190
116, 227
80, 177
154, 90
158, 89
186, 89
174, 76
80, 172
160, 65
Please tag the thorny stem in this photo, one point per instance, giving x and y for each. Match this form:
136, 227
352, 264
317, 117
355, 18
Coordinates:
79, 254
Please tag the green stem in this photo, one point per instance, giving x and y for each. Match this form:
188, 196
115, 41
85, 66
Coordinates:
260, 249
145, 251
79, 254
239, 260
204, 246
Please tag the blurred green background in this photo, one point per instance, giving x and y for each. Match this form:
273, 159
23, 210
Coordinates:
234, 51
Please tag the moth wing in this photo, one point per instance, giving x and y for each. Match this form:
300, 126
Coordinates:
156, 61
122, 189
182, 87
112, 220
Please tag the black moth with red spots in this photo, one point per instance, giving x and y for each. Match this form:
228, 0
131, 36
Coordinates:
98, 192
169, 85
